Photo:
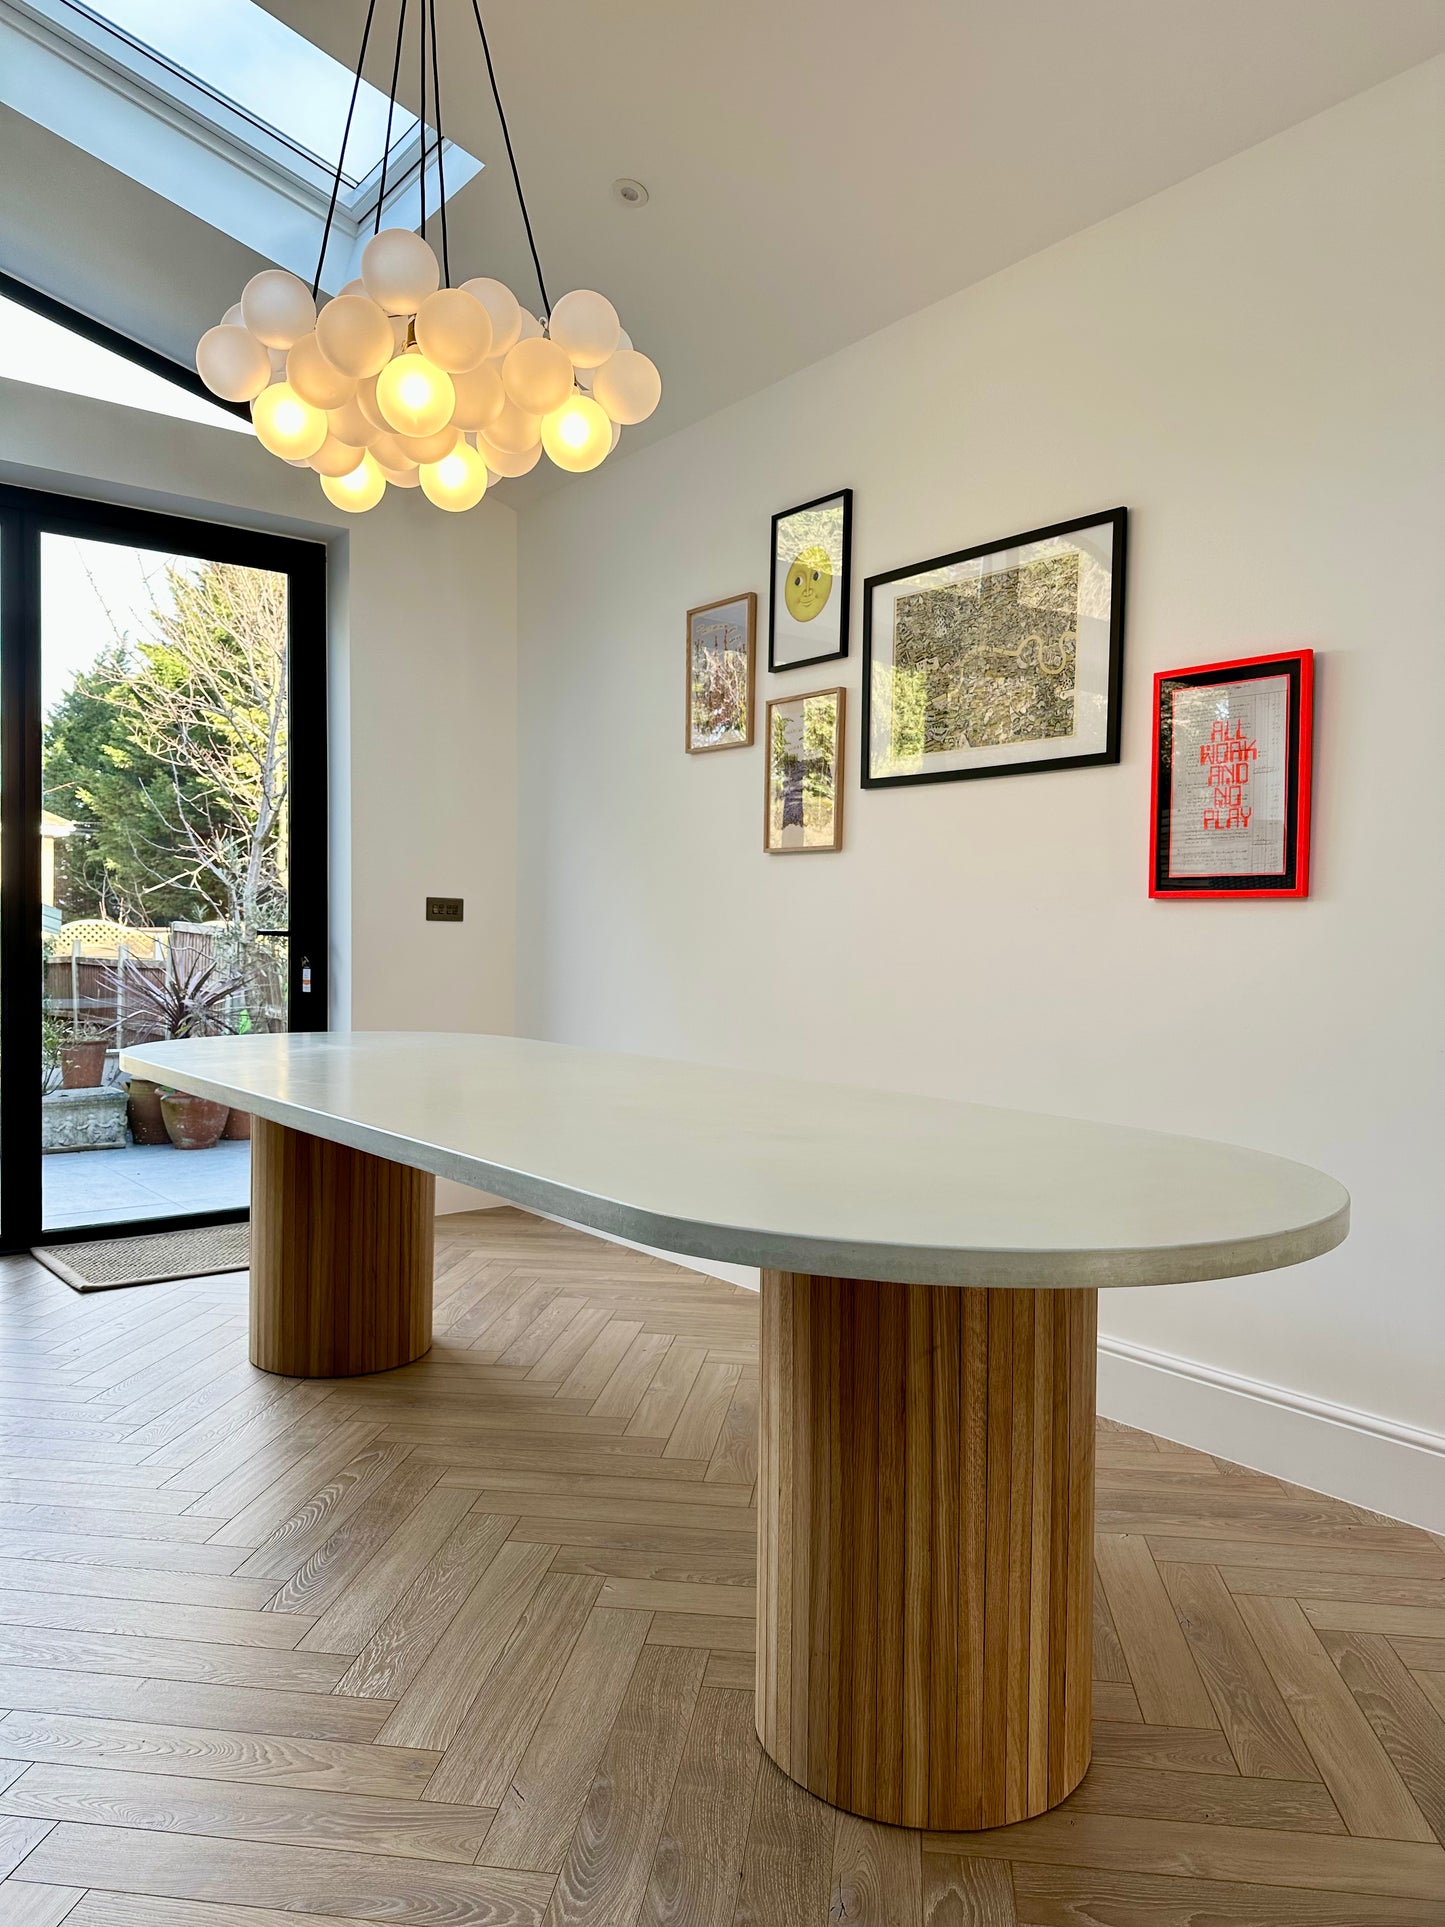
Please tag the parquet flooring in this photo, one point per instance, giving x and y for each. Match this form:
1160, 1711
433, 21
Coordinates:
472, 1642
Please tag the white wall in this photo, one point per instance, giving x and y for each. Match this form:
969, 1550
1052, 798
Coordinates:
423, 694
1252, 363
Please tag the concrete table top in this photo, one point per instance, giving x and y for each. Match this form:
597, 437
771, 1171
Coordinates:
777, 1172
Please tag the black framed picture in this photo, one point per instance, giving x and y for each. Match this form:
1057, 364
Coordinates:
999, 659
810, 568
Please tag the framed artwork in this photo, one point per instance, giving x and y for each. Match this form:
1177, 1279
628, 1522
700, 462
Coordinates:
997, 660
803, 797
1230, 806
720, 644
811, 565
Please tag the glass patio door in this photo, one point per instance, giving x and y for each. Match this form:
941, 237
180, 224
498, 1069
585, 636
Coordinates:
162, 758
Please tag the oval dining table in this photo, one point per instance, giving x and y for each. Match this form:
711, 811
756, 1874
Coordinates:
930, 1273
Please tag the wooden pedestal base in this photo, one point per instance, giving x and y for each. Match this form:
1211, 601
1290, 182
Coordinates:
926, 1546
341, 1257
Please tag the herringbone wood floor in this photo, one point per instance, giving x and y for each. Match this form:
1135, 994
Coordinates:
471, 1642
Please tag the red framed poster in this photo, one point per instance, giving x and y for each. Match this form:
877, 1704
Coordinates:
1230, 803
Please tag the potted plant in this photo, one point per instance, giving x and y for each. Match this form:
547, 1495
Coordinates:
192, 1123
188, 999
82, 1051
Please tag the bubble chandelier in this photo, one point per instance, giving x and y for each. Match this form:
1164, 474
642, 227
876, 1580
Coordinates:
404, 380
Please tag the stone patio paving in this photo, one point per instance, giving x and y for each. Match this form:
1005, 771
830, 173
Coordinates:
143, 1181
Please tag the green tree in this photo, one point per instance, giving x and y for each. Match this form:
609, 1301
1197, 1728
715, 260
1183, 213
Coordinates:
114, 792
170, 754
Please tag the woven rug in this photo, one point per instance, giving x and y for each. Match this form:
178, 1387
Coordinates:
151, 1258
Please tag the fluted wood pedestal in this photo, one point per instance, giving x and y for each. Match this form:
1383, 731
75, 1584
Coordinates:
341, 1257
926, 1546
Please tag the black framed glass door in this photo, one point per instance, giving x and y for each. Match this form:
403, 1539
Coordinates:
163, 846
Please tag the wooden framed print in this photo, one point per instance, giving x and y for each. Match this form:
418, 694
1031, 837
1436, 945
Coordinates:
720, 645
811, 563
997, 660
1230, 806
803, 798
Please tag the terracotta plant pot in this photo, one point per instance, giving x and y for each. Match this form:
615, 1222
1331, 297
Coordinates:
193, 1123
147, 1125
238, 1125
82, 1066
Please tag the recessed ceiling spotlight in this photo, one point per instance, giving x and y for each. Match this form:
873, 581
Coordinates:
630, 193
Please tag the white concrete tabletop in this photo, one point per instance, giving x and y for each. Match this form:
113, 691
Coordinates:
776, 1172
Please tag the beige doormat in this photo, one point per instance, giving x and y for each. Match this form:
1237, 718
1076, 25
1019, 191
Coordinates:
151, 1259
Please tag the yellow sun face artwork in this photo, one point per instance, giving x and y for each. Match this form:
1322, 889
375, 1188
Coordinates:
809, 583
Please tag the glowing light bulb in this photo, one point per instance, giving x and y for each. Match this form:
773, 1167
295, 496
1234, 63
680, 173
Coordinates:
578, 435
360, 489
287, 425
458, 481
416, 397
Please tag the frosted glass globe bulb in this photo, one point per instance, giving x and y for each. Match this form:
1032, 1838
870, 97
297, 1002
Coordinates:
355, 335
399, 270
585, 326
537, 376
454, 330
513, 429
335, 457
430, 448
458, 481
480, 396
287, 425
277, 307
415, 396
358, 490
578, 436
316, 379
502, 309
232, 363
389, 452
509, 462
351, 423
628, 386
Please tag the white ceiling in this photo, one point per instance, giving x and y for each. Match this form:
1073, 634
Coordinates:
817, 168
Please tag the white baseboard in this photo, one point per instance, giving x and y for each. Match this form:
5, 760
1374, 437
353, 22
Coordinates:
1376, 1462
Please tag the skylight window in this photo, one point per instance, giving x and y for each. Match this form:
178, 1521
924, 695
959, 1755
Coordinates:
251, 59
230, 114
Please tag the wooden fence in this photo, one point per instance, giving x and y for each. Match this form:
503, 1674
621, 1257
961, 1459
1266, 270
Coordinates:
104, 993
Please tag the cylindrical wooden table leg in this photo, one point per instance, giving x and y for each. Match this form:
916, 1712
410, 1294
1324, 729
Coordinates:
341, 1257
925, 1577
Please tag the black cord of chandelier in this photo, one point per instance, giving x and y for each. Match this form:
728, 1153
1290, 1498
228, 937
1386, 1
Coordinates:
427, 9
341, 157
436, 92
516, 177
390, 110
